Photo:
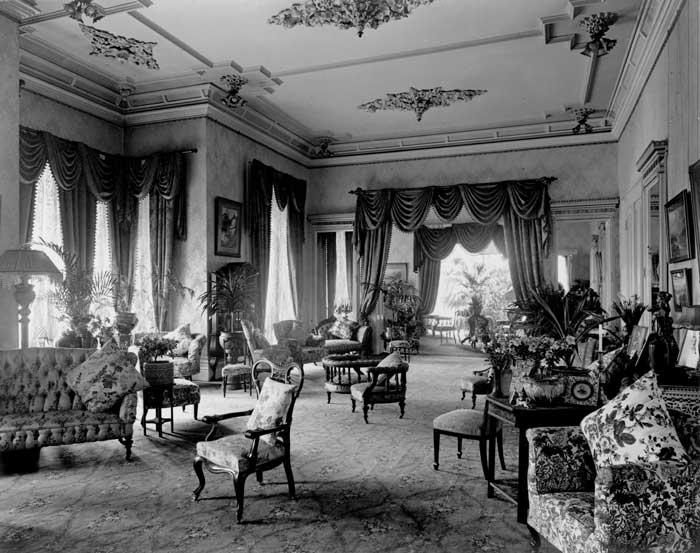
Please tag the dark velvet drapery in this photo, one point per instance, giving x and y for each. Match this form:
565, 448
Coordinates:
290, 193
432, 245
485, 203
84, 176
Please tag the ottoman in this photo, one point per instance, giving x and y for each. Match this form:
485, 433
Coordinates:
344, 370
240, 370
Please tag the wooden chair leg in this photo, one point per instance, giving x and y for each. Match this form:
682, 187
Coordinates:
459, 447
290, 477
482, 453
196, 409
464, 394
402, 406
535, 541
239, 486
354, 404
200, 476
365, 411
329, 397
473, 400
499, 443
436, 449
223, 385
259, 476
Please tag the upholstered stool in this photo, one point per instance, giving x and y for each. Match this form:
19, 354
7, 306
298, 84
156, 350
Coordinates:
404, 348
477, 383
469, 424
240, 370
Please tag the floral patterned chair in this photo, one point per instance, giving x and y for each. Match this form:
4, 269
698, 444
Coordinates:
581, 504
265, 444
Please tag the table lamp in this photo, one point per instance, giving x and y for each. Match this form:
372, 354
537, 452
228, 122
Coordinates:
23, 264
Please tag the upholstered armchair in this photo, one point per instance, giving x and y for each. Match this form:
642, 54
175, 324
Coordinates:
345, 336
304, 346
630, 507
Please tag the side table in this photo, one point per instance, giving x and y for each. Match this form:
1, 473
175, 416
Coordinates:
523, 418
339, 370
153, 398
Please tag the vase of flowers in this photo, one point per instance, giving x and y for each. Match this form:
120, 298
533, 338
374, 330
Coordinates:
500, 359
158, 372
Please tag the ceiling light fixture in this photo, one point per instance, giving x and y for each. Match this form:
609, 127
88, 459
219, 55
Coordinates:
79, 8
420, 100
234, 83
346, 14
597, 25
322, 152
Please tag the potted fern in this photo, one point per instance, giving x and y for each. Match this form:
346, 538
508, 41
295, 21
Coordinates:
158, 372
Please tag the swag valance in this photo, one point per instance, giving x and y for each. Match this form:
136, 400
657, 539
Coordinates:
85, 176
522, 205
437, 243
290, 193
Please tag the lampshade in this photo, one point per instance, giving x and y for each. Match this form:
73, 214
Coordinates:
27, 262
689, 318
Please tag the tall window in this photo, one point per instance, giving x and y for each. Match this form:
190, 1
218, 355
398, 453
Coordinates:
342, 292
142, 300
279, 305
44, 327
102, 261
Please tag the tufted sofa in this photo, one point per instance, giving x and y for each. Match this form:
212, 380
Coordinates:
359, 342
38, 408
625, 508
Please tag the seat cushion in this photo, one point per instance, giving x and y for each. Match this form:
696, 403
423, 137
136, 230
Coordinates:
182, 367
237, 369
634, 428
341, 346
182, 336
343, 329
232, 452
564, 519
272, 408
476, 384
185, 392
393, 394
460, 421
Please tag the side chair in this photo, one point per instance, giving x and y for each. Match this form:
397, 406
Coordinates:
266, 442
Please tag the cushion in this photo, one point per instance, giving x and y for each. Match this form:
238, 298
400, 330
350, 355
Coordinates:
391, 360
476, 384
232, 452
105, 377
183, 337
343, 328
565, 519
314, 340
460, 421
260, 341
634, 428
271, 408
323, 329
282, 329
298, 333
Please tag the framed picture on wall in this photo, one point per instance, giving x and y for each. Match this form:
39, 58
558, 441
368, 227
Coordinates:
681, 287
396, 271
227, 233
680, 233
695, 206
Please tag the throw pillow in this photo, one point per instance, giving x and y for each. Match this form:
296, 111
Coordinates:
343, 329
323, 330
391, 360
272, 407
104, 378
634, 428
260, 341
183, 337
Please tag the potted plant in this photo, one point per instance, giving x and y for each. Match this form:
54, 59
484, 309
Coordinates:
630, 311
231, 294
402, 299
158, 372
500, 359
125, 319
75, 296
101, 329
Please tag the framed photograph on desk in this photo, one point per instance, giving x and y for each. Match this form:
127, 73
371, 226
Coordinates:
682, 293
637, 340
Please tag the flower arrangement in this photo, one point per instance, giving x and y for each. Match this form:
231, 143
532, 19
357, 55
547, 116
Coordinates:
153, 346
630, 311
102, 329
543, 352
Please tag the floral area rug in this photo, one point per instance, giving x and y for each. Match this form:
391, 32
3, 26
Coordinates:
360, 487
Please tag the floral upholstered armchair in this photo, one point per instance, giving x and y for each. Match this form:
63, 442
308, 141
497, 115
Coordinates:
603, 497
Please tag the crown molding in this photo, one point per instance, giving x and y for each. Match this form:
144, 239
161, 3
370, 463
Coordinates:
585, 210
329, 221
654, 23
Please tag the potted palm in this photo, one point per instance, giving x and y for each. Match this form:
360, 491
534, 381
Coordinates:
402, 299
231, 294
158, 372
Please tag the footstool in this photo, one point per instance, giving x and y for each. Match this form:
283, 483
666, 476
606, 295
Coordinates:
476, 383
242, 371
340, 367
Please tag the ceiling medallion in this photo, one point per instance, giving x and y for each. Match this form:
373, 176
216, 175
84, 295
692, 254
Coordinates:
581, 115
597, 25
120, 48
346, 14
421, 100
234, 83
79, 8
322, 152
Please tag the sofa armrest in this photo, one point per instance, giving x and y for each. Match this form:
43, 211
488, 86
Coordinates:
194, 351
364, 336
127, 408
559, 461
645, 508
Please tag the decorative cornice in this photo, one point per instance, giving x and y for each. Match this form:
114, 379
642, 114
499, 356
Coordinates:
120, 48
653, 158
572, 210
421, 100
654, 23
48, 16
331, 219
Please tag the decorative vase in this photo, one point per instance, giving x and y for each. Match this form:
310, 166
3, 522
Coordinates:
502, 377
125, 323
158, 373
544, 390
226, 343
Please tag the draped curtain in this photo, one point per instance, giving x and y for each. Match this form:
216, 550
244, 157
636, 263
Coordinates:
432, 245
290, 193
522, 200
85, 176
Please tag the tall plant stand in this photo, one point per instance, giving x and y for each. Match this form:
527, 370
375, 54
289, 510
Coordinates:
154, 398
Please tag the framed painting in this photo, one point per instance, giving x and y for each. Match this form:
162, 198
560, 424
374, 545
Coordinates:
637, 340
396, 271
680, 233
695, 206
227, 232
681, 286
689, 355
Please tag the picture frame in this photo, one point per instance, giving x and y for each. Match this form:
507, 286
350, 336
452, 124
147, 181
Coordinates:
695, 206
227, 229
689, 355
582, 389
681, 284
680, 233
637, 341
396, 271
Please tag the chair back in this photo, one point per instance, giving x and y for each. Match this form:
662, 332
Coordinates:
274, 408
248, 332
287, 372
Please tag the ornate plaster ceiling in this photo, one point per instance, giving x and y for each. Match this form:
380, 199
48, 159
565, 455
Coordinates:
307, 83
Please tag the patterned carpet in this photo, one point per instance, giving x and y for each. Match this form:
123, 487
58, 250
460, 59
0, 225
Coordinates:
360, 487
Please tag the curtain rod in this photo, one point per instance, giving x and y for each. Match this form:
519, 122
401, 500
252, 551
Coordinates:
543, 180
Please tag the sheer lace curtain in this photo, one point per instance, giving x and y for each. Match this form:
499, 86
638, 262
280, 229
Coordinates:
279, 303
44, 326
102, 262
342, 294
142, 302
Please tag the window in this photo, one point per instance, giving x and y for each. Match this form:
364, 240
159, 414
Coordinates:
142, 299
279, 305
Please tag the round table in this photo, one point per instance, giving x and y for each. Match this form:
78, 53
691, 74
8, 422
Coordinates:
339, 370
